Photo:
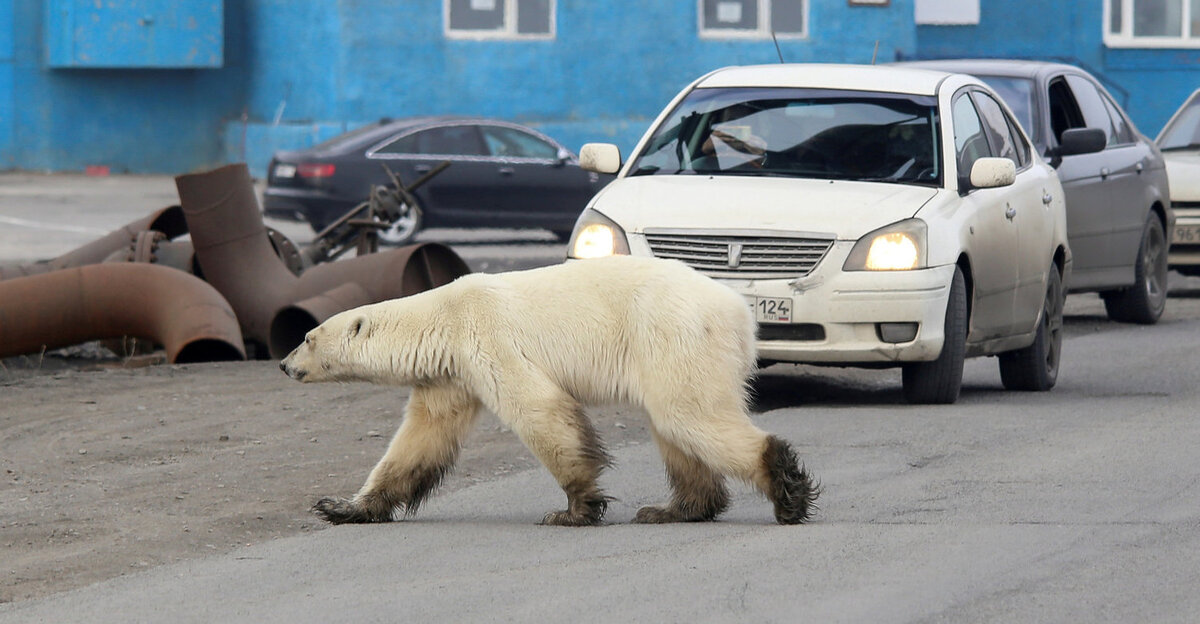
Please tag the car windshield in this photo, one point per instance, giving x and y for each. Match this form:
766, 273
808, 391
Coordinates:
1183, 132
1018, 94
803, 133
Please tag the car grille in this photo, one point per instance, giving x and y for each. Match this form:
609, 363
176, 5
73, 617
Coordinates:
742, 256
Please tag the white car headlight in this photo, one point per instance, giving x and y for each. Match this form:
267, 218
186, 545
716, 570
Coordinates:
900, 246
596, 236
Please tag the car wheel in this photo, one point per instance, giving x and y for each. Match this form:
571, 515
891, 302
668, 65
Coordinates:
940, 380
1145, 301
403, 229
1035, 368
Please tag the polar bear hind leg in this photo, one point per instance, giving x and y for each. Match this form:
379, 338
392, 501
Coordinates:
698, 492
722, 440
436, 421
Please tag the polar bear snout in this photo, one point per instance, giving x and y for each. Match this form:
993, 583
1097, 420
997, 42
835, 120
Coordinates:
295, 373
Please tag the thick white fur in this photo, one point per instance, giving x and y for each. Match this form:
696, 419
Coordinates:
533, 345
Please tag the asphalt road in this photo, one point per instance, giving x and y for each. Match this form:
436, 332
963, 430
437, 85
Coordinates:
1077, 505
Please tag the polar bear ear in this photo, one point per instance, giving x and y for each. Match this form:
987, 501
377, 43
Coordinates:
359, 325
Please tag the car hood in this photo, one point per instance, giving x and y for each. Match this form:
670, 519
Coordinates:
1183, 174
842, 208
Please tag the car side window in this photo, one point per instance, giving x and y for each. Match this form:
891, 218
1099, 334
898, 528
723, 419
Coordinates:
996, 122
1064, 110
1123, 131
512, 143
461, 140
970, 144
1091, 104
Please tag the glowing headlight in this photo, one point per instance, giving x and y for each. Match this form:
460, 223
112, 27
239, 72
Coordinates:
900, 246
596, 236
896, 251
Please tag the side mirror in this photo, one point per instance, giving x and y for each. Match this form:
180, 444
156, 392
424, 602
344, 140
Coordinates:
1081, 141
600, 157
993, 173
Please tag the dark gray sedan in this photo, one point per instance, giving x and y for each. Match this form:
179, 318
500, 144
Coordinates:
500, 175
1115, 180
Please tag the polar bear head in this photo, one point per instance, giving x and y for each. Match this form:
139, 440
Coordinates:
333, 351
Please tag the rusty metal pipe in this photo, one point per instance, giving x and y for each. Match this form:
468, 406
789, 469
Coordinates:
235, 255
324, 290
179, 311
169, 221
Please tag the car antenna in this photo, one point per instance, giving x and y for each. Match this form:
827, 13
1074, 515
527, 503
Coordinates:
777, 50
875, 53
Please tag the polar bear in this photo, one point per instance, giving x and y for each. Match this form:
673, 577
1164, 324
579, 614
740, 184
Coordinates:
534, 347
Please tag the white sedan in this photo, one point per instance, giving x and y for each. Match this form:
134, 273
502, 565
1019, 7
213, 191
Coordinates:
871, 216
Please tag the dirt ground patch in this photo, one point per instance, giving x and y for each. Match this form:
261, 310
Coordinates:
110, 466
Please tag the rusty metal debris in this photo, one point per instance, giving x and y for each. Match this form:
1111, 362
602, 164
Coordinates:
60, 308
237, 288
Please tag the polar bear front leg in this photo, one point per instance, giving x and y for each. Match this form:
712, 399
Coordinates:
555, 428
437, 419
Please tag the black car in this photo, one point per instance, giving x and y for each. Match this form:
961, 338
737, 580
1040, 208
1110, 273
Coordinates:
500, 175
1115, 180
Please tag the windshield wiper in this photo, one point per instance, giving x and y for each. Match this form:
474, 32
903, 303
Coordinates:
646, 170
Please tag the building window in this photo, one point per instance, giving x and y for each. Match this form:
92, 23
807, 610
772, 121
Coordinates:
946, 12
1152, 23
754, 19
499, 19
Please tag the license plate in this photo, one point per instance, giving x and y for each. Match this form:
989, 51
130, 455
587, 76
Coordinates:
284, 170
1186, 234
773, 310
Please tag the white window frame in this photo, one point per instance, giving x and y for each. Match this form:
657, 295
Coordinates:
761, 31
1126, 39
509, 29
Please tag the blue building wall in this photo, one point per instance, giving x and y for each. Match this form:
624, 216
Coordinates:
296, 71
1149, 83
292, 72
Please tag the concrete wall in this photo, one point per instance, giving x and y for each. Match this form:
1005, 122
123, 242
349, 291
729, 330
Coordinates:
1149, 83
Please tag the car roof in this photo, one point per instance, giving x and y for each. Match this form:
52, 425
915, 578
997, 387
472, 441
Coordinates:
876, 78
374, 132
1021, 68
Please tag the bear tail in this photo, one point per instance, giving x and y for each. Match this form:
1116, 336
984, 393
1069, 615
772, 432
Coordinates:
792, 489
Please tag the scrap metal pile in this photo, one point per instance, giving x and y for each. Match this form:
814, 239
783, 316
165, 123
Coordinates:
236, 289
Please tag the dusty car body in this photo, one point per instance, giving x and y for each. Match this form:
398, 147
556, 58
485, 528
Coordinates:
1179, 141
1119, 215
871, 216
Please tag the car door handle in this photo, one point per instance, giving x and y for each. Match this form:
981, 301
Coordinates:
423, 168
1010, 212
1047, 198
505, 171
1139, 167
1104, 172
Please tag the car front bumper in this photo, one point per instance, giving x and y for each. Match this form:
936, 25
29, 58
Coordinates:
842, 317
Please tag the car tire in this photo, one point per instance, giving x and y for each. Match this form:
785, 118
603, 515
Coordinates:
404, 229
1035, 368
1145, 301
939, 381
